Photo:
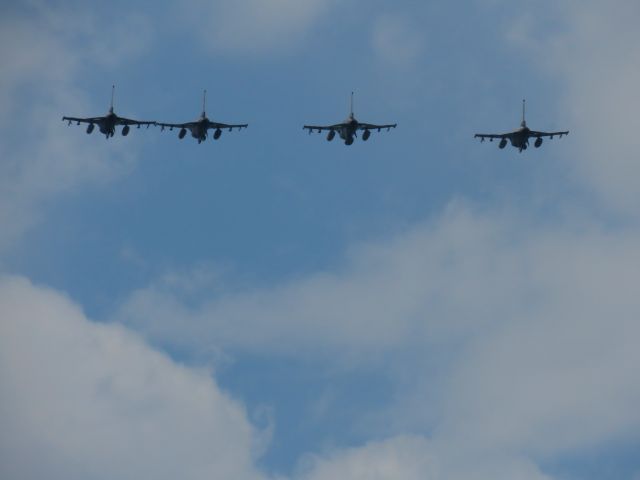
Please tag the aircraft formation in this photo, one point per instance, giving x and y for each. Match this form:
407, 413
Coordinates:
347, 130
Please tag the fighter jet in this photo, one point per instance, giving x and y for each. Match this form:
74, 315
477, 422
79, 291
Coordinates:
348, 129
108, 123
520, 138
200, 127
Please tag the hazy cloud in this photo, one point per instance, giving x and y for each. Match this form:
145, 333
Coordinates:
397, 42
594, 48
254, 26
43, 52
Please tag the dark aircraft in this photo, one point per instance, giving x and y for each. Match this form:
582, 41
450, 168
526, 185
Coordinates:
107, 124
348, 129
199, 127
520, 138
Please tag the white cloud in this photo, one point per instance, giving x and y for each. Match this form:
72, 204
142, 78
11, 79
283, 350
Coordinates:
537, 325
559, 375
458, 274
387, 294
408, 457
254, 26
87, 400
398, 458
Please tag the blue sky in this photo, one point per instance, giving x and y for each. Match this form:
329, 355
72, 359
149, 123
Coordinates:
272, 305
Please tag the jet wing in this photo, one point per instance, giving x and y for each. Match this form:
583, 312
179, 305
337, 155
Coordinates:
175, 125
224, 126
533, 133
319, 128
82, 120
491, 135
370, 126
128, 121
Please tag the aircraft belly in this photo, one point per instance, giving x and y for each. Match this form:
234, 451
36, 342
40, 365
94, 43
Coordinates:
107, 125
518, 140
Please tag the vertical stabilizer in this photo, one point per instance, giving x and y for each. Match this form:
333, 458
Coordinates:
351, 106
524, 122
113, 88
204, 102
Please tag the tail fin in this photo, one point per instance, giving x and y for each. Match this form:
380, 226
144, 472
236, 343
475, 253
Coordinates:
113, 88
524, 122
351, 106
204, 101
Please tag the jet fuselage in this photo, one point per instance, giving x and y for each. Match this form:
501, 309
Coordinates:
107, 124
520, 138
199, 130
348, 131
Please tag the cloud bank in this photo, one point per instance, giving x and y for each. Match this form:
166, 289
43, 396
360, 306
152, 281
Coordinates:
533, 330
